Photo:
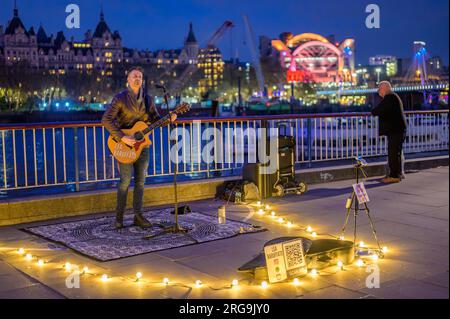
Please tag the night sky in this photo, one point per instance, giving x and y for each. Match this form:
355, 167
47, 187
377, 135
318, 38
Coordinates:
164, 24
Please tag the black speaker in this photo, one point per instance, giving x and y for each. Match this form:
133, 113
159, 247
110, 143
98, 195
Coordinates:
286, 142
264, 182
286, 161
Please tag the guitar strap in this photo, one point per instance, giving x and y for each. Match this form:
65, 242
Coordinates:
147, 103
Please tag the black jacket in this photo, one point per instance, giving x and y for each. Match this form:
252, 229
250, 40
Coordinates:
124, 112
391, 115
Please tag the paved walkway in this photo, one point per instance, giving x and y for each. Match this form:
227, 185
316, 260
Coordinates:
412, 219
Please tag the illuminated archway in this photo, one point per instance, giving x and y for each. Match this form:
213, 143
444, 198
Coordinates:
321, 59
304, 37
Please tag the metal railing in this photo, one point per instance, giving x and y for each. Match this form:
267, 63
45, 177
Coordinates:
72, 154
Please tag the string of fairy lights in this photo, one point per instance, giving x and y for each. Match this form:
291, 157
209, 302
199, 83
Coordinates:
261, 210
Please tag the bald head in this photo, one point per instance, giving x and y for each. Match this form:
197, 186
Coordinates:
384, 88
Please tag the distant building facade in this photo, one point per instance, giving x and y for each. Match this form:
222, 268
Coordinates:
100, 50
388, 63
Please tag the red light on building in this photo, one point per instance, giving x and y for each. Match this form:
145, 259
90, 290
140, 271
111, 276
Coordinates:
296, 76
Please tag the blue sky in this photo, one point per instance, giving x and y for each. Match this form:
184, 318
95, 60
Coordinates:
163, 24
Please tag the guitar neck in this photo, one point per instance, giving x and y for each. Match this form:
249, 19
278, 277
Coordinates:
161, 122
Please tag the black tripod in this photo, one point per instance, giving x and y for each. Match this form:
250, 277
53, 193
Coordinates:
353, 205
176, 228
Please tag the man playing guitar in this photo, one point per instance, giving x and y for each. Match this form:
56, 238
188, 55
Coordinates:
127, 108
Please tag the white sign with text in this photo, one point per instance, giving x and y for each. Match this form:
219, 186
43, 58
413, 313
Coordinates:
285, 260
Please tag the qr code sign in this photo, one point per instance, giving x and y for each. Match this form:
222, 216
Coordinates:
293, 252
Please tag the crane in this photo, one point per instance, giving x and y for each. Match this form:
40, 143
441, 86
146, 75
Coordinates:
254, 55
219, 33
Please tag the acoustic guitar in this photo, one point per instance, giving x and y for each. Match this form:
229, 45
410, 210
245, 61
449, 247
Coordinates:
126, 154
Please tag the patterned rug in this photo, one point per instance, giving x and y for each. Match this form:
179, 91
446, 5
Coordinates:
98, 239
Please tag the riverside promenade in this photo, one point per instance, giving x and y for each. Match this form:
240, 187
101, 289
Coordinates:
411, 218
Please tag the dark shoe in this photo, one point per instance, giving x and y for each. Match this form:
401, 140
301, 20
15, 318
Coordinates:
118, 225
119, 221
140, 221
390, 180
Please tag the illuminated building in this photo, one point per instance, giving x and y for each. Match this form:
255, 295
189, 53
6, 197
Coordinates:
18, 43
60, 55
435, 65
186, 55
100, 51
210, 62
310, 57
381, 59
391, 69
388, 62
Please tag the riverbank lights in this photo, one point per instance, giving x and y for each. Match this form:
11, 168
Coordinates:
267, 206
67, 266
359, 263
138, 276
313, 272
309, 229
314, 234
280, 220
264, 285
385, 249
273, 214
260, 212
21, 251
296, 282
105, 278
340, 264
40, 262
28, 257
198, 283
289, 224
362, 244
85, 270
234, 283
375, 257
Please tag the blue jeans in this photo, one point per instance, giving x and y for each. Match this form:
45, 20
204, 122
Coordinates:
140, 169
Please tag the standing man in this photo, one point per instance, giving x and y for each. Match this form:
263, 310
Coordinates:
392, 123
127, 108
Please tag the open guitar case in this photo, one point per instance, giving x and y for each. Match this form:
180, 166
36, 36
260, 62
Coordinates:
319, 254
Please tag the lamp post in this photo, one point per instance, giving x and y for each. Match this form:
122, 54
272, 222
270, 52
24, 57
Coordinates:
378, 70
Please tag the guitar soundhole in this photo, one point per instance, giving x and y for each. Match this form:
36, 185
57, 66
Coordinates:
138, 136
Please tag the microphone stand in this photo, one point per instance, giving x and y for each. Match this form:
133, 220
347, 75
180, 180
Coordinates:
175, 229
